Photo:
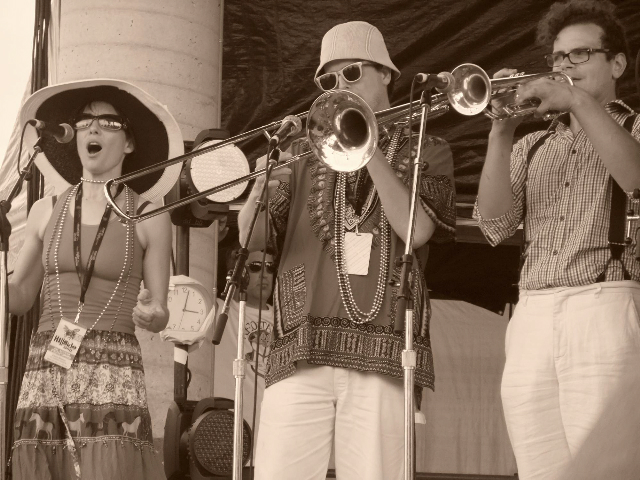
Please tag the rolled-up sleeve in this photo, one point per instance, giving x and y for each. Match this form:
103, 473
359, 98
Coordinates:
500, 228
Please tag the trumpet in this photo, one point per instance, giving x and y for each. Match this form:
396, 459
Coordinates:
505, 89
473, 92
342, 130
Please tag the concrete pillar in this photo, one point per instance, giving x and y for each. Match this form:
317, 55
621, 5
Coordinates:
170, 48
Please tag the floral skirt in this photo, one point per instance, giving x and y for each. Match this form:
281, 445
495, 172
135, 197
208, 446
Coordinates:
90, 421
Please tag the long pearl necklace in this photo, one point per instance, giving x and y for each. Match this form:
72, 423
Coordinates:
356, 314
57, 233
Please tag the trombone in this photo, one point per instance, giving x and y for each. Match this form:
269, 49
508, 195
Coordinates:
342, 130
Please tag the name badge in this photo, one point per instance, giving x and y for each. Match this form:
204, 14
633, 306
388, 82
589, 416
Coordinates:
357, 252
65, 343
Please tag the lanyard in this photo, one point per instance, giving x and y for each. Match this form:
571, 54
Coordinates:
85, 276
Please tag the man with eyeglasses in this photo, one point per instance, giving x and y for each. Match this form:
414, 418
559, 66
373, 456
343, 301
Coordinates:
575, 330
334, 375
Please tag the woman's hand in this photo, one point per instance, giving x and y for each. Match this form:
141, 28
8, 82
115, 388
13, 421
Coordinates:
149, 312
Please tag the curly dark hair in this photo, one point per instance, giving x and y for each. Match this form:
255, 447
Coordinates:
573, 12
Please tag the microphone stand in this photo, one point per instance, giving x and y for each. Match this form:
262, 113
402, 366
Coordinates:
234, 282
405, 304
5, 233
239, 366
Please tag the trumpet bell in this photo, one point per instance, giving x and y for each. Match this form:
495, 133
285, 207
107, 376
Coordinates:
342, 130
472, 89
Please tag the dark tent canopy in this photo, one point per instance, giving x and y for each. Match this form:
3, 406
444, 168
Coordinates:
271, 51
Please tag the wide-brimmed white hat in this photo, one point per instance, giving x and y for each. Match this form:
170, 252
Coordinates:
355, 40
156, 133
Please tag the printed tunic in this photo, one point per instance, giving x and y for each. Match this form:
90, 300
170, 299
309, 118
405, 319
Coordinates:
311, 322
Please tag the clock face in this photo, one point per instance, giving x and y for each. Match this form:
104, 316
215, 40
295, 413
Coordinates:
187, 309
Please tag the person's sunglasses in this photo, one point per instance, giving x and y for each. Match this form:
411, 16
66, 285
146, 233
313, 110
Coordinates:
254, 267
351, 73
106, 122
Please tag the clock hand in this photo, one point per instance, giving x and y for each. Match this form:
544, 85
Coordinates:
192, 311
186, 300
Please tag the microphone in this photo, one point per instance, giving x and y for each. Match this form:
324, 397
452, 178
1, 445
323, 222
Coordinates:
291, 125
443, 82
63, 133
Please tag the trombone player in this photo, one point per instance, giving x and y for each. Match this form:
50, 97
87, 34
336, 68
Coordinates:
334, 370
575, 330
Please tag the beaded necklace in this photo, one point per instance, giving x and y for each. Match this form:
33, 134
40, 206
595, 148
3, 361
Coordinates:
354, 312
91, 180
57, 233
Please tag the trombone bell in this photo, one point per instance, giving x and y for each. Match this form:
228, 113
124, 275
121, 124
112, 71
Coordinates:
342, 130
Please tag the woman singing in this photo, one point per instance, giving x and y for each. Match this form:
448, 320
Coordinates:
82, 409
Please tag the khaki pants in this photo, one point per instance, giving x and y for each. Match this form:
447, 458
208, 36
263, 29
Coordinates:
303, 414
568, 350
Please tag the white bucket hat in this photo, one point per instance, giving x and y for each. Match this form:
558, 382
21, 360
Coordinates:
355, 40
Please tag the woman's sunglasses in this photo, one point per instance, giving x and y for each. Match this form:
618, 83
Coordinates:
106, 122
269, 267
351, 73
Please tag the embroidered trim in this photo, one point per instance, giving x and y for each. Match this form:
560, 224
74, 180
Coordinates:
293, 285
339, 342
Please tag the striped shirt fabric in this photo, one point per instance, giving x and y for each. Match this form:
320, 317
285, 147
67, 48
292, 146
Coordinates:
567, 193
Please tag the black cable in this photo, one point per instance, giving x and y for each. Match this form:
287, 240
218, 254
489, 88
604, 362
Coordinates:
638, 73
173, 264
24, 128
413, 83
259, 330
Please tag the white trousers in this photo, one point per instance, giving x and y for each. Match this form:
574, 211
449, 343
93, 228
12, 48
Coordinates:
303, 414
568, 350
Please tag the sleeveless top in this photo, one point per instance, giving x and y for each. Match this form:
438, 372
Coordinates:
108, 266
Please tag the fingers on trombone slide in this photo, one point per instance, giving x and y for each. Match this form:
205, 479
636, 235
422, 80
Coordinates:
278, 174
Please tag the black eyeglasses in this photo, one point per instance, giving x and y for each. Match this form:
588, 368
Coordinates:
109, 122
579, 55
269, 267
351, 73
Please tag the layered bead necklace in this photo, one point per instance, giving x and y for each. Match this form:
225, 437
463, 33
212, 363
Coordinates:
57, 234
355, 313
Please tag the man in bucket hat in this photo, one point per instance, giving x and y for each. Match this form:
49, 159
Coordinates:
334, 370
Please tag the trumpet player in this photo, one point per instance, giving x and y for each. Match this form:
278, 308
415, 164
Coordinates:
334, 370
575, 330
